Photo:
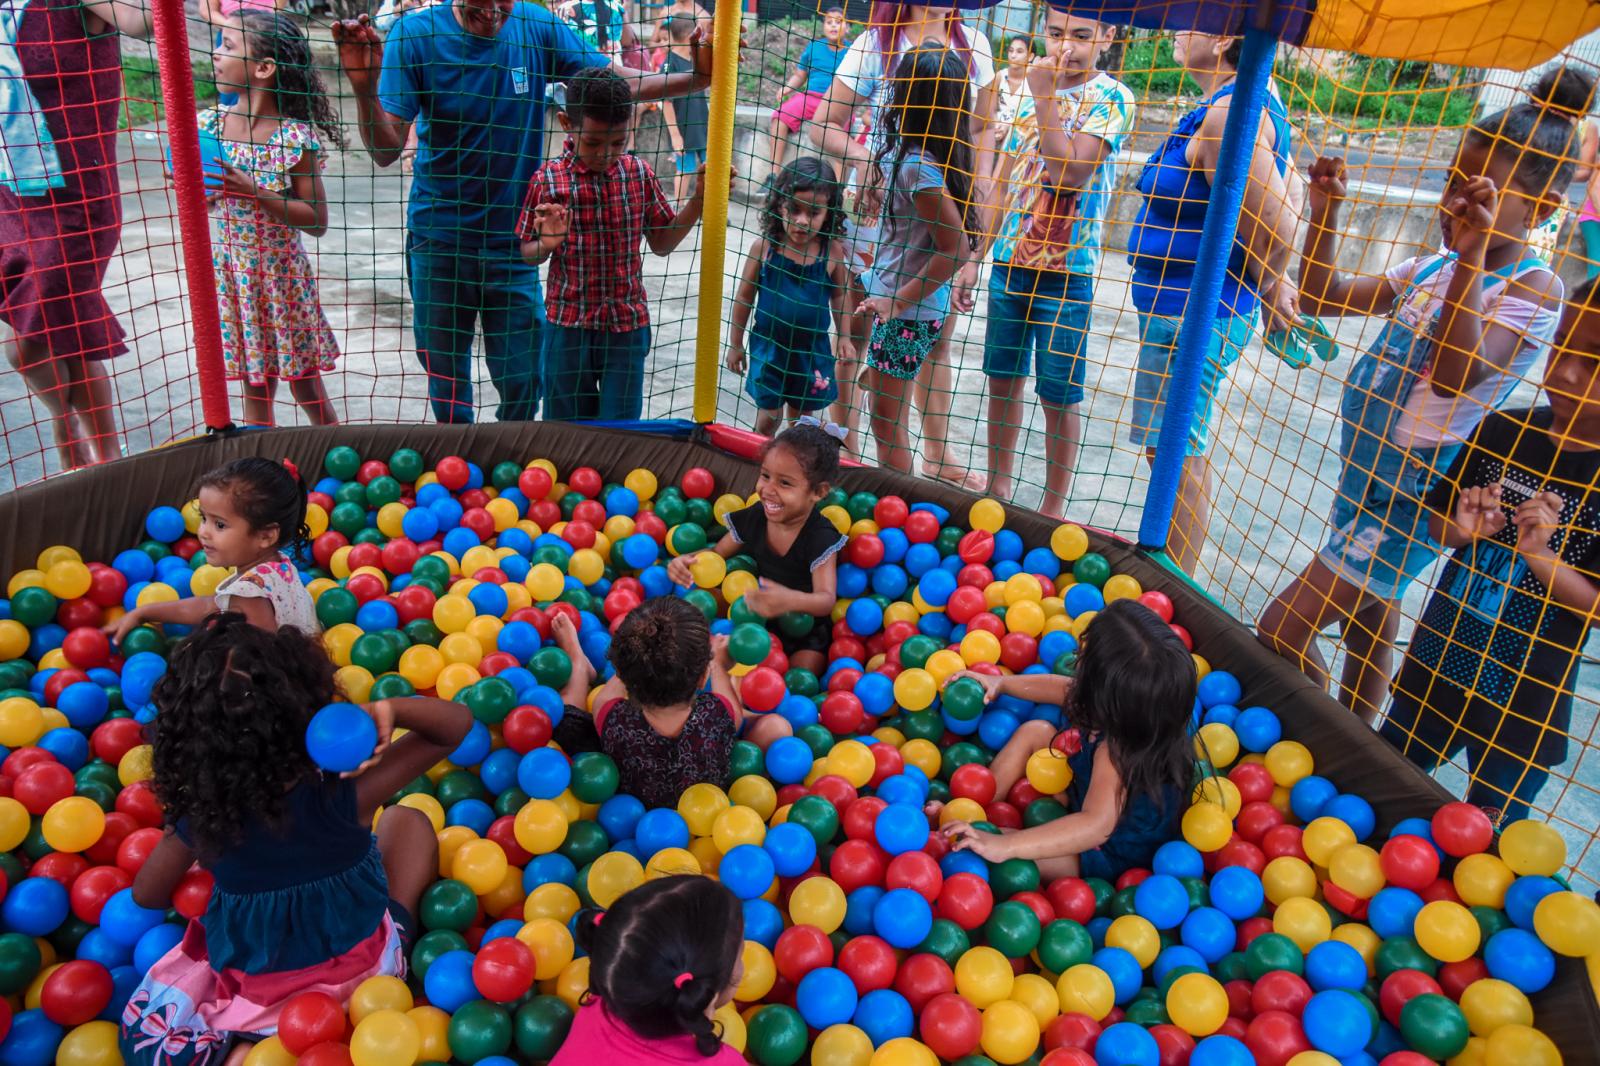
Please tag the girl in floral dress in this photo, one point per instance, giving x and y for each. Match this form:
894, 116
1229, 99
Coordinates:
273, 327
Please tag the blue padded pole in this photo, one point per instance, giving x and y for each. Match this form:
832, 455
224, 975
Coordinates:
1200, 314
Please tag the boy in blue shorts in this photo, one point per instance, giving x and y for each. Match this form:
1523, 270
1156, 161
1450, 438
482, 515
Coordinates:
1054, 180
686, 115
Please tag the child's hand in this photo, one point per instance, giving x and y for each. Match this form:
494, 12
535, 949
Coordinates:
1044, 73
876, 307
1537, 521
990, 847
680, 569
1478, 511
551, 222
735, 358
719, 651
119, 629
961, 297
382, 715
989, 682
763, 599
846, 350
1280, 303
1471, 210
1326, 185
235, 183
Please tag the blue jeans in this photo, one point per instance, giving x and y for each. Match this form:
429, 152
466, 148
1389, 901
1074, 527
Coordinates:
1158, 347
455, 290
1042, 314
592, 374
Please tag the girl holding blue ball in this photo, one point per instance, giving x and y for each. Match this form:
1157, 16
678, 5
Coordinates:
308, 897
251, 511
1130, 706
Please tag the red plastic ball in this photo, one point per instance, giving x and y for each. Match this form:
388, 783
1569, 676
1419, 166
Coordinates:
921, 978
544, 513
801, 949
950, 1025
1072, 1031
887, 762
1239, 852
364, 555
525, 729
965, 899
1283, 840
1018, 651
1072, 898
1441, 889
370, 470
762, 689
1274, 1037
86, 648
365, 587
698, 483
1402, 986
1039, 904
136, 848
331, 1053
869, 962
841, 713
857, 864
965, 604
1183, 635
1003, 815
1280, 990
114, 738
1172, 1044
103, 852
41, 785
973, 782
921, 527
75, 992
1068, 1056
58, 683
1256, 819
453, 473
592, 512
312, 1018
61, 867
1159, 602
1409, 862
503, 970
864, 550
1254, 782
107, 586
139, 802
535, 483
93, 887
976, 547
193, 893
916, 870
1454, 977
860, 818
82, 613
1462, 829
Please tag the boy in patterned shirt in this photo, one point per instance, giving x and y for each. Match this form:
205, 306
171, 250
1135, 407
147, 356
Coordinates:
1053, 183
1492, 663
587, 211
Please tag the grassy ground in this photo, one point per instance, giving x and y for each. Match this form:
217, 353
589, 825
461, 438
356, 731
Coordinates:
141, 83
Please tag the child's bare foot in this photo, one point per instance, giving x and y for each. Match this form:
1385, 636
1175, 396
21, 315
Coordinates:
954, 474
565, 635
1054, 506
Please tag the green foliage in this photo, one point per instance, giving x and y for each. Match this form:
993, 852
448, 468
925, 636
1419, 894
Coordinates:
1377, 92
1149, 69
141, 85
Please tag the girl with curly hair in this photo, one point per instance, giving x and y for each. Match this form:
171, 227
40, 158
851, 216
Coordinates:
793, 273
252, 514
313, 892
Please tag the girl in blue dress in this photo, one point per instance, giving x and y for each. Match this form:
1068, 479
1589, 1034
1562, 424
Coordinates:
794, 274
1128, 743
308, 897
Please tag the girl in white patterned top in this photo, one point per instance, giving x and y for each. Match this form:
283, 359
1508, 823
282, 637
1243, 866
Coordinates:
250, 511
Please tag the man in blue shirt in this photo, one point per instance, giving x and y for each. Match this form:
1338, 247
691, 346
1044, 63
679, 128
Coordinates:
471, 75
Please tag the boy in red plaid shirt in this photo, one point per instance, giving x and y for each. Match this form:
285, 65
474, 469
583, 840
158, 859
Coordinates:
587, 211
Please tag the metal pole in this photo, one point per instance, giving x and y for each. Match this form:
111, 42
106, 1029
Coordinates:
1251, 87
194, 224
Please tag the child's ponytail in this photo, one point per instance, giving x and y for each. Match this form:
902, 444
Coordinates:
1543, 131
695, 994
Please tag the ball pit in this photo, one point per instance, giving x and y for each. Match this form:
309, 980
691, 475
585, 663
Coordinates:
866, 943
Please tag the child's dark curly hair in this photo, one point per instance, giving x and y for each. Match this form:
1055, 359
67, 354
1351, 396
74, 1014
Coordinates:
661, 652
299, 91
806, 174
228, 740
663, 953
265, 493
814, 448
598, 93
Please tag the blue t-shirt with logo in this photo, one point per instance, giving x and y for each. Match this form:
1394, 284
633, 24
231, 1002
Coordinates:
478, 105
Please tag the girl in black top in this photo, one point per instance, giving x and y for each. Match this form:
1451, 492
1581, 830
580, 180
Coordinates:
794, 547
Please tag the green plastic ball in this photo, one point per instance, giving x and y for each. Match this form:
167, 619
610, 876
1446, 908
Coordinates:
1403, 953
550, 667
458, 785
861, 506
351, 492
586, 841
342, 462
963, 699
392, 687
448, 904
19, 962
374, 653
540, 1026
801, 682
796, 624
921, 725
1064, 944
336, 607
1434, 1026
1013, 929
504, 475
816, 816
594, 776
817, 738
422, 631
1042, 810
776, 1036
406, 464
1273, 951
1091, 569
479, 1029
749, 644
947, 940
745, 760
492, 698
33, 606
1008, 878
382, 490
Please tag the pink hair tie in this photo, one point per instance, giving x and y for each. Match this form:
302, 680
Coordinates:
595, 921
682, 979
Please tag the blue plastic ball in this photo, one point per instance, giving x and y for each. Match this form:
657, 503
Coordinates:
1126, 1044
1515, 956
70, 747
121, 919
995, 727
662, 828
936, 587
1524, 895
826, 996
963, 862
747, 871
622, 501
876, 693
1124, 970
164, 524
763, 922
620, 815
864, 617
1210, 932
154, 944
902, 917
1393, 911
889, 581
792, 847
1220, 1049
1354, 812
789, 759
96, 946
1178, 858
448, 982
1335, 964
1237, 892
901, 827
341, 737
32, 1041
1310, 795
37, 906
1161, 900
1336, 1022
1173, 957
1219, 686
1258, 729
884, 1015
798, 711
858, 908
1081, 598
640, 550
544, 773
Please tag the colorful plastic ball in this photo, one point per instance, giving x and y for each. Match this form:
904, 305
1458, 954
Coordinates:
900, 828
385, 1038
1332, 964
1237, 892
819, 902
826, 996
1127, 1044
1197, 1004
1337, 1023
1434, 1026
341, 737
776, 1035
1010, 1032
1162, 900
1488, 1004
983, 976
1532, 848
1520, 959
1568, 923
1462, 829
747, 871
902, 917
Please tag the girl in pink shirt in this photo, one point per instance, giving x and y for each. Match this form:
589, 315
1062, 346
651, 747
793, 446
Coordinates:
661, 961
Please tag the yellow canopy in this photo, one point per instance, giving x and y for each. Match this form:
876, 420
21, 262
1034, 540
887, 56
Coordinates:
1509, 34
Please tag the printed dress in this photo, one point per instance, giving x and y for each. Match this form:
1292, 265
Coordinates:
277, 582
272, 321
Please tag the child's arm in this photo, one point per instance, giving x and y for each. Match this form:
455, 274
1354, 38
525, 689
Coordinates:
1082, 830
796, 81
544, 223
670, 113
1537, 521
303, 205
667, 230
435, 728
744, 303
678, 569
161, 873
1469, 349
1070, 160
769, 599
721, 681
842, 311
1035, 688
1324, 292
937, 209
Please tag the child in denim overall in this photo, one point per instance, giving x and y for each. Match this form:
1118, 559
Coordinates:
1464, 326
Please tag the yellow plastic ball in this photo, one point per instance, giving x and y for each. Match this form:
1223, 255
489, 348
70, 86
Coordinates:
480, 865
1357, 869
1137, 936
135, 765
1022, 588
915, 689
987, 515
818, 901
760, 973
573, 982
1069, 542
586, 565
1197, 1004
1086, 989
1323, 837
669, 862
852, 760
1288, 761
420, 664
545, 581
14, 823
1489, 1004
385, 1038
983, 976
430, 808
980, 646
453, 678
61, 553
1520, 1045
21, 721
1010, 1032
355, 682
1447, 931
90, 1044
735, 826
1313, 1058
903, 1051
1481, 880
612, 875
1363, 939
842, 1045
433, 1029
73, 823
539, 826
24, 579
316, 520
1121, 587
379, 993
460, 648
1026, 617
1048, 771
451, 613
1568, 923
700, 804
14, 640
1303, 920
962, 809
1287, 877
1206, 827
641, 482
270, 1052
923, 754
551, 943
204, 580
756, 793
551, 900
156, 592
1038, 994
942, 665
68, 579
1218, 744
1532, 848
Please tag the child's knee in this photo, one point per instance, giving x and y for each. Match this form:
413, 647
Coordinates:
768, 728
405, 831
1036, 733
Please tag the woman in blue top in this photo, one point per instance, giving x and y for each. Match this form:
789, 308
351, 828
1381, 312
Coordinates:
1127, 741
307, 897
1176, 185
